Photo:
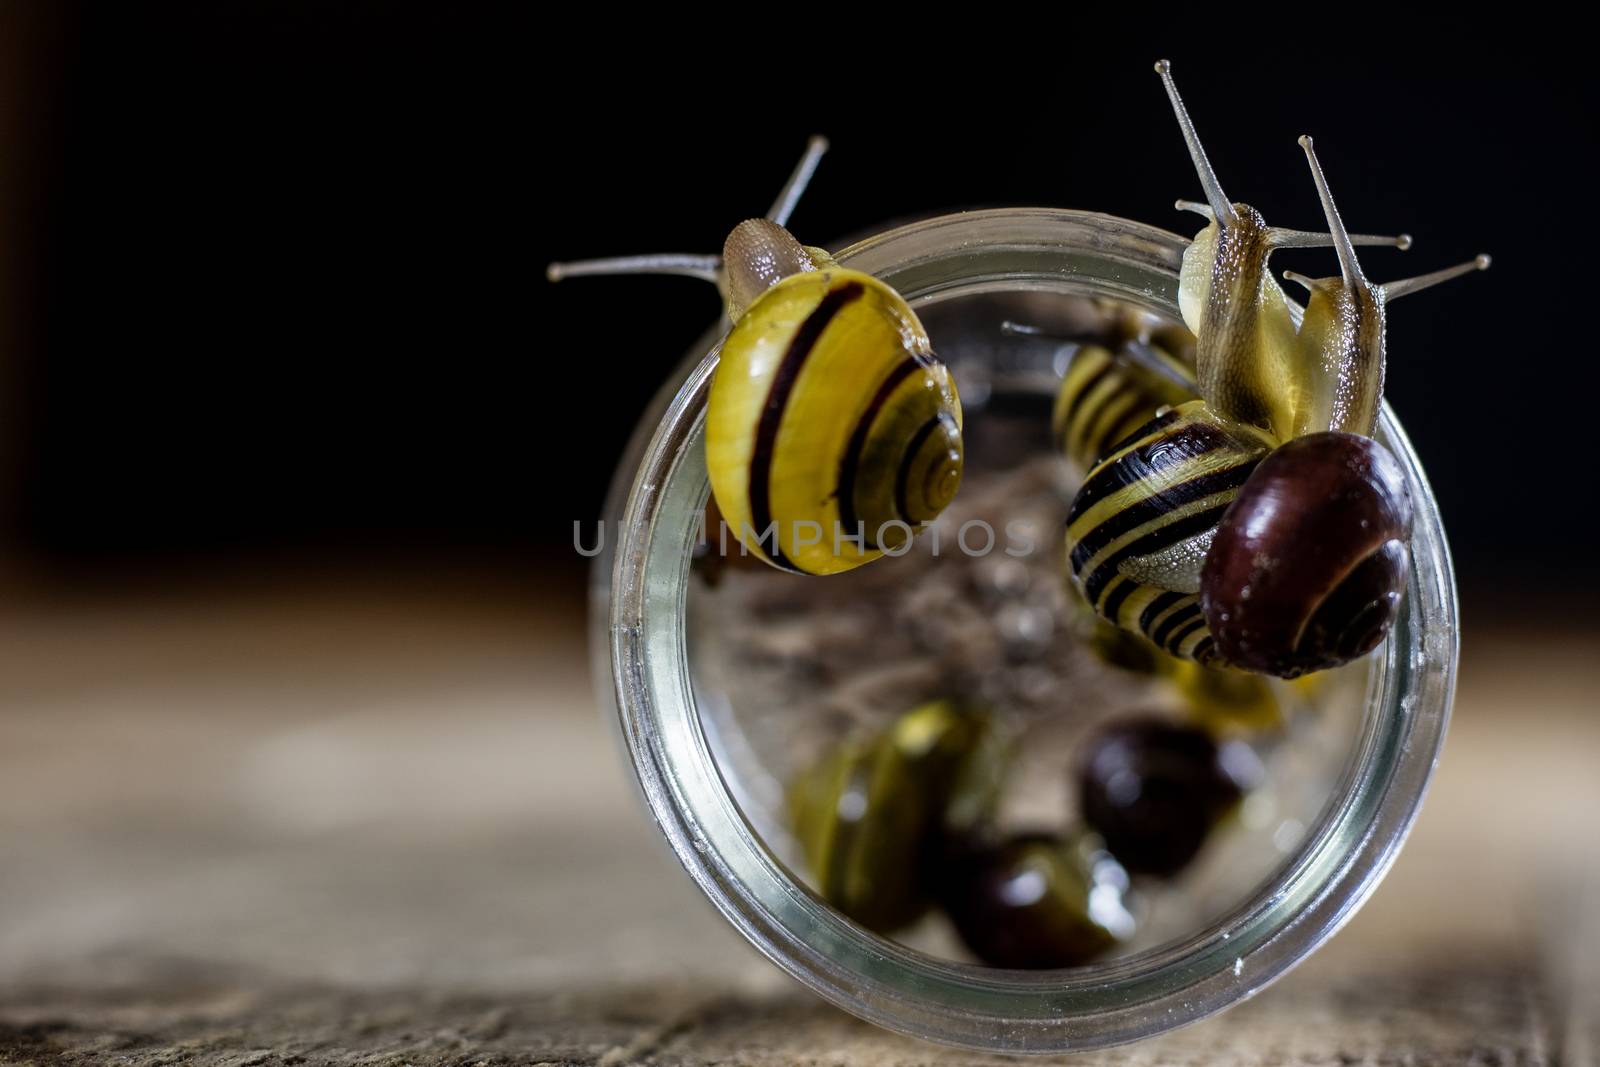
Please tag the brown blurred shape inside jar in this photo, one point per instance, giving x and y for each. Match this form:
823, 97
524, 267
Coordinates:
1155, 790
1036, 901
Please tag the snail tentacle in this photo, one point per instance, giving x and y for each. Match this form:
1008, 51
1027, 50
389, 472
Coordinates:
789, 196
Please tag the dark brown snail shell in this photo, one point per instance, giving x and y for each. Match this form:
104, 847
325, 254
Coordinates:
1154, 790
1036, 901
1309, 563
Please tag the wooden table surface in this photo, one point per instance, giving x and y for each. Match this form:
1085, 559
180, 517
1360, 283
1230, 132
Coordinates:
294, 824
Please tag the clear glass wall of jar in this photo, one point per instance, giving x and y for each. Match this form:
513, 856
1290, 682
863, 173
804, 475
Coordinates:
643, 670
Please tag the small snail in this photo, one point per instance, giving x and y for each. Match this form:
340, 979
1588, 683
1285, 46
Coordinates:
1154, 790
870, 814
833, 433
1036, 901
1144, 538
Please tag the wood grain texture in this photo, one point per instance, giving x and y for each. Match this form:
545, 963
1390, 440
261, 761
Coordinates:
386, 827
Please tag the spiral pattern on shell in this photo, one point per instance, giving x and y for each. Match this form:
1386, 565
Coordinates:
1140, 524
832, 431
1307, 567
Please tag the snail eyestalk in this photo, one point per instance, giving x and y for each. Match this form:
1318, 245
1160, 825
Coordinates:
1306, 283
1221, 207
1278, 237
1127, 350
795, 187
1407, 286
1146, 357
1349, 267
1281, 238
706, 268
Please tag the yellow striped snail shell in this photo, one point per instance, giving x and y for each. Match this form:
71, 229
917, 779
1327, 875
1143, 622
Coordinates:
1116, 384
833, 433
1140, 524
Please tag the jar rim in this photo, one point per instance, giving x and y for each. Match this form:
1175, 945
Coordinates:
638, 616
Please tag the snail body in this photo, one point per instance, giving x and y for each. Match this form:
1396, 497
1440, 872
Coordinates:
1241, 318
833, 432
1246, 351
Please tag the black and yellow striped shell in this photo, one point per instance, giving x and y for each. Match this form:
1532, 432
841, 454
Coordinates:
1105, 397
870, 813
832, 431
1141, 523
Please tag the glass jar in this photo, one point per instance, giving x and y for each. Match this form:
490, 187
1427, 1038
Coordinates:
698, 798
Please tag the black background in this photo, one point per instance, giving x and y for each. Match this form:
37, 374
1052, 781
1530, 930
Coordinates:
278, 269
